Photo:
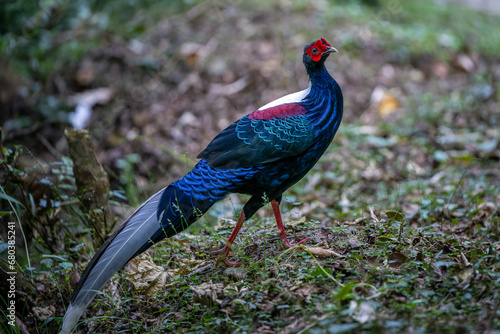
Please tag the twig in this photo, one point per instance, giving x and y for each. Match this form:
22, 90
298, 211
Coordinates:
372, 215
227, 315
49, 146
261, 259
357, 221
199, 270
294, 248
464, 260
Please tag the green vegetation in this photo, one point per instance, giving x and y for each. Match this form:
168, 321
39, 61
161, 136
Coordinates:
408, 194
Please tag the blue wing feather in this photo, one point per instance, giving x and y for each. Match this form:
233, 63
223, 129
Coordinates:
256, 141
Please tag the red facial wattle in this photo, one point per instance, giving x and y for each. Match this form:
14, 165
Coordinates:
325, 42
321, 45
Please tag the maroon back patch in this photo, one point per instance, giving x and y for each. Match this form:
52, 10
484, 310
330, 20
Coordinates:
281, 111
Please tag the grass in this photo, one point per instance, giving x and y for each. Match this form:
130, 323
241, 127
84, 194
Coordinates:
425, 279
414, 28
409, 200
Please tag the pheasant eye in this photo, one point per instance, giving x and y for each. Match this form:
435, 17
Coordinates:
314, 51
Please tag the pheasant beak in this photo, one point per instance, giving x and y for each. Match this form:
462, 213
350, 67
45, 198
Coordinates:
330, 49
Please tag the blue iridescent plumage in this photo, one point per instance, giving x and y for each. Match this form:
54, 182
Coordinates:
261, 155
258, 157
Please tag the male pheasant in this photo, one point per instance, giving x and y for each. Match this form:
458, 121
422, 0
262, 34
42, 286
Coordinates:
261, 155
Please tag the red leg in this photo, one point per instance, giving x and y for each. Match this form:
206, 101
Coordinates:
230, 241
277, 214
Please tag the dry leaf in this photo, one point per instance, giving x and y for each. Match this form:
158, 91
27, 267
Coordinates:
75, 278
396, 259
158, 285
362, 312
465, 273
306, 292
395, 215
440, 70
354, 242
385, 101
371, 260
464, 63
229, 89
92, 97
464, 260
42, 313
317, 251
387, 105
146, 275
208, 293
237, 273
295, 223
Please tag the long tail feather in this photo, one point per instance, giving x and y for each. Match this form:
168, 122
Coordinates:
166, 213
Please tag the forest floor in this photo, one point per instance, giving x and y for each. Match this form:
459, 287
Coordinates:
402, 210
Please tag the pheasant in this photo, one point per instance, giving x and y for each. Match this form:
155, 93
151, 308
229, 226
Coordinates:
261, 155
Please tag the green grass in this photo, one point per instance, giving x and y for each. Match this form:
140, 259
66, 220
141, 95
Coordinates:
410, 201
404, 28
421, 281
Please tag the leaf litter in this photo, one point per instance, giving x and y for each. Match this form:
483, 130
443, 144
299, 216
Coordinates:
406, 200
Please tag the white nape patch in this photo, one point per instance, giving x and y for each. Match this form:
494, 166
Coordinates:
290, 98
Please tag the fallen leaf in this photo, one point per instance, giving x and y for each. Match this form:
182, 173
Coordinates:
388, 105
399, 297
237, 273
230, 289
42, 313
75, 278
362, 312
111, 289
395, 215
92, 97
146, 275
229, 89
265, 329
306, 292
354, 243
157, 285
464, 63
295, 223
357, 221
371, 260
385, 101
317, 251
465, 273
464, 260
208, 293
396, 259
440, 69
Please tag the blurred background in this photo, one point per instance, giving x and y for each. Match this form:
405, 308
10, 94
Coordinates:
154, 81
